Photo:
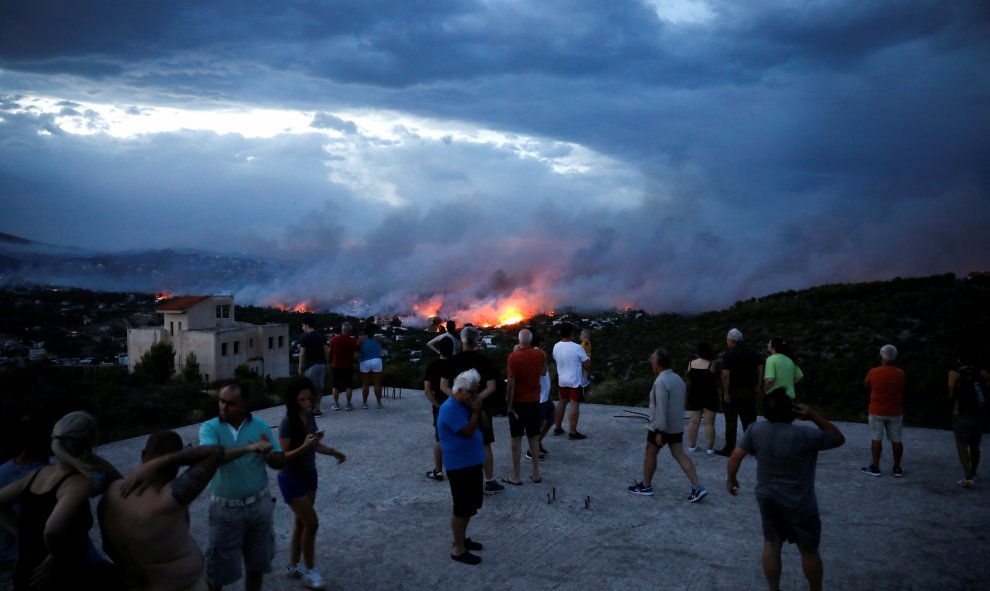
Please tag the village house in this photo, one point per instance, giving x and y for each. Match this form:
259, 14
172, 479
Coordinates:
205, 325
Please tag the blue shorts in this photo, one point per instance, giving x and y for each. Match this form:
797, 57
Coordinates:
294, 486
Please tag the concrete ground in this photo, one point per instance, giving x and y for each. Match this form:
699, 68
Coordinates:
384, 525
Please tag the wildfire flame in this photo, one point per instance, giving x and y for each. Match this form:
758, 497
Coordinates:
300, 307
513, 309
162, 296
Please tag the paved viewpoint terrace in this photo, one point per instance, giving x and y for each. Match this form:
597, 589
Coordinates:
384, 525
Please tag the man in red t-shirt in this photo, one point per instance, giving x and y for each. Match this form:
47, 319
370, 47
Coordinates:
342, 350
886, 384
522, 393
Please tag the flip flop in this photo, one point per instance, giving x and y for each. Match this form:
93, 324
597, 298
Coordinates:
507, 481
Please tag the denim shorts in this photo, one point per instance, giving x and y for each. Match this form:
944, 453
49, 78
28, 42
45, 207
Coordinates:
892, 425
240, 533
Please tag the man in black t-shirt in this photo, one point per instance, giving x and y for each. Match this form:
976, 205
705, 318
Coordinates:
742, 375
467, 359
431, 387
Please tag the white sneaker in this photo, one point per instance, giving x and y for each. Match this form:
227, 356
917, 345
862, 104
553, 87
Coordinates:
314, 580
693, 449
294, 571
710, 451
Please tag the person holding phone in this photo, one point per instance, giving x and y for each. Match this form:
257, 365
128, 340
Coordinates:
301, 439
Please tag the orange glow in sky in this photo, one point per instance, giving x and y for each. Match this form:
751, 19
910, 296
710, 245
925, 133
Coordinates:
492, 312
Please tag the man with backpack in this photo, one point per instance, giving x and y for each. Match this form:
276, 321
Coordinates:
968, 394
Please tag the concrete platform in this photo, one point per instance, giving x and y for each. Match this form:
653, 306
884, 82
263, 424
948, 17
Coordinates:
383, 525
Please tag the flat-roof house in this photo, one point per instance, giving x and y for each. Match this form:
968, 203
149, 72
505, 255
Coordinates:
205, 325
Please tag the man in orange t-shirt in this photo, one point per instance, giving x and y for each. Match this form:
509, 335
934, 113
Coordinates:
522, 393
886, 384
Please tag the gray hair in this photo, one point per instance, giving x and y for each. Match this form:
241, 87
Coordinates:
346, 327
470, 336
526, 337
735, 335
663, 357
466, 380
888, 353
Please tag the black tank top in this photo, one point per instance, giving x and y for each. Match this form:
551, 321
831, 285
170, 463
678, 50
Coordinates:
702, 380
36, 508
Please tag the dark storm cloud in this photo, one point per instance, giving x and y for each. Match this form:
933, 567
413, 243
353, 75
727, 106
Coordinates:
778, 145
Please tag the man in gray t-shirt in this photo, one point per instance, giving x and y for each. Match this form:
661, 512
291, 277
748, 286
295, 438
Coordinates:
786, 456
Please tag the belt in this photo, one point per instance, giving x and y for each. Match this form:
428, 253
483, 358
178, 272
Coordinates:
261, 494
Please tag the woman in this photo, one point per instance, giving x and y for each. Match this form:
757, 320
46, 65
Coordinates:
780, 370
371, 363
297, 480
702, 400
54, 521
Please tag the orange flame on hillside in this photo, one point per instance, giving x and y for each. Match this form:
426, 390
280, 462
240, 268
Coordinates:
510, 310
162, 296
301, 307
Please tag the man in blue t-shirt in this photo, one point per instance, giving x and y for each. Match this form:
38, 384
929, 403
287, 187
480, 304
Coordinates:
786, 456
463, 454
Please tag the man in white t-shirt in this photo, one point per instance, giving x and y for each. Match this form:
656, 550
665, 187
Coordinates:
571, 362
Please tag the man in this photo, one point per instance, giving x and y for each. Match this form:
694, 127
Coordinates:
571, 362
147, 533
313, 359
463, 450
786, 456
470, 358
449, 334
742, 374
667, 399
342, 350
241, 507
525, 367
436, 397
886, 386
968, 390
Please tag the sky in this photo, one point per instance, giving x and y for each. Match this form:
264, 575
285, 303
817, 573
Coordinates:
462, 157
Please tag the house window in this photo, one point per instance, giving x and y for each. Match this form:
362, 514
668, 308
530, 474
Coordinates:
271, 342
223, 349
180, 326
223, 311
281, 342
171, 329
251, 343
237, 347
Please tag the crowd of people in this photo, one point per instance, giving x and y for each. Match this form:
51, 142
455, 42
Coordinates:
144, 518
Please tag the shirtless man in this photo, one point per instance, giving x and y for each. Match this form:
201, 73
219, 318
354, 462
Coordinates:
147, 533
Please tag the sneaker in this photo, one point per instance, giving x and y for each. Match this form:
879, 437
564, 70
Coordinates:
710, 451
529, 456
434, 475
697, 493
576, 435
898, 473
871, 470
466, 558
640, 489
492, 487
545, 452
966, 483
349, 406
692, 449
294, 571
314, 580
317, 413
335, 407
558, 431
380, 406
364, 406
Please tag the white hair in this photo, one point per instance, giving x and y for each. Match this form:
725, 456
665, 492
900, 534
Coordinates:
888, 353
466, 380
470, 336
526, 337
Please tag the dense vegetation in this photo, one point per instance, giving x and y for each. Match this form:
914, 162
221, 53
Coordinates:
836, 331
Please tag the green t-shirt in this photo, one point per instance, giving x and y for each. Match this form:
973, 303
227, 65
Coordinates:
783, 372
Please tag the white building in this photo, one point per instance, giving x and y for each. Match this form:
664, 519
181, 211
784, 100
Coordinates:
205, 325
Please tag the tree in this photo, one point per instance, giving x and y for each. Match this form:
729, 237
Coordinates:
158, 364
191, 371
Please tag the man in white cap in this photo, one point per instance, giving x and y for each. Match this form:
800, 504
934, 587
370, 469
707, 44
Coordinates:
742, 373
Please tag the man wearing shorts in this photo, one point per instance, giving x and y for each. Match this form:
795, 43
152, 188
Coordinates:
313, 359
342, 350
463, 453
470, 358
786, 456
886, 385
525, 367
571, 362
666, 427
241, 507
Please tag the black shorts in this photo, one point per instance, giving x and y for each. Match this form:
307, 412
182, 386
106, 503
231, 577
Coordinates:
485, 424
781, 524
343, 378
529, 420
467, 488
651, 437
548, 412
702, 400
